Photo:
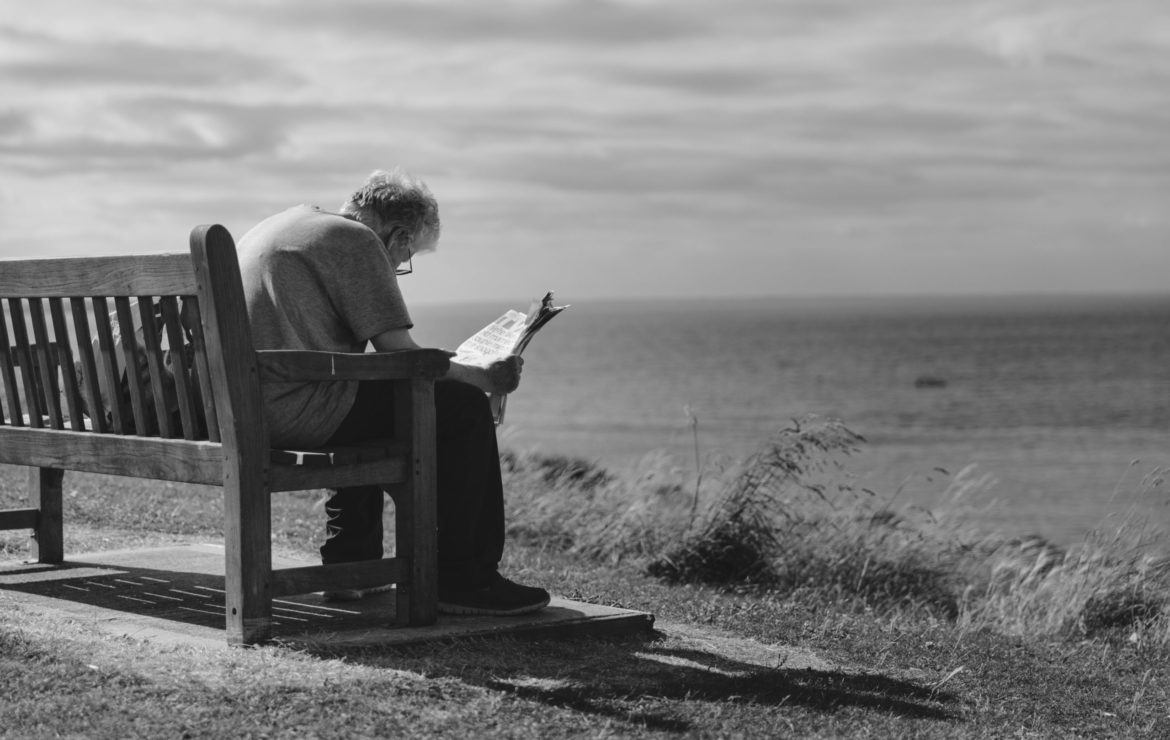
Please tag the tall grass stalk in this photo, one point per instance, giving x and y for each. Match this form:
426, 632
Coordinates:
788, 519
698, 466
1117, 580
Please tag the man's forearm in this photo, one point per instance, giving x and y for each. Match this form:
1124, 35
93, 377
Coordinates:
476, 376
501, 378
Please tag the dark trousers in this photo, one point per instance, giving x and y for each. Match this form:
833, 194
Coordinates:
470, 491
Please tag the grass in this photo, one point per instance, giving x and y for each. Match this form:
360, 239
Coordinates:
789, 604
787, 520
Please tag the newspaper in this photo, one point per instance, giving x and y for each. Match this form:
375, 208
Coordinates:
507, 335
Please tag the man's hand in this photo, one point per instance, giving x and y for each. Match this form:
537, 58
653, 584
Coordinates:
503, 376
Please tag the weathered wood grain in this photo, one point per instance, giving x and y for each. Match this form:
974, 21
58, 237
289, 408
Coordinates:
301, 478
144, 274
44, 355
89, 375
152, 347
128, 341
23, 357
65, 362
19, 518
8, 376
371, 450
423, 516
362, 574
188, 415
48, 544
109, 363
305, 365
201, 370
137, 457
235, 381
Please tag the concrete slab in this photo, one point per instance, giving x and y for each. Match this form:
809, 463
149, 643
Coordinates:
175, 595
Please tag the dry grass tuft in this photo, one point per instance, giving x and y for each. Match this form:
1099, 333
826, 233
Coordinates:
1114, 583
788, 519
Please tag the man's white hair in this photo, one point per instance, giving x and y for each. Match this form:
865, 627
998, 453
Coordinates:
397, 199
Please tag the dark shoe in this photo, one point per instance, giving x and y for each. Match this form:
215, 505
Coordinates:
356, 594
500, 598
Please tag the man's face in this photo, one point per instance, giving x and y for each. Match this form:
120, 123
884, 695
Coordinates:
394, 238
402, 247
423, 244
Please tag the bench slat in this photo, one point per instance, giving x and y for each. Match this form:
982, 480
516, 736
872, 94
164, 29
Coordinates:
363, 574
8, 375
19, 518
130, 357
303, 478
65, 361
172, 324
24, 358
154, 363
145, 274
46, 365
322, 457
89, 375
109, 363
137, 457
203, 373
283, 365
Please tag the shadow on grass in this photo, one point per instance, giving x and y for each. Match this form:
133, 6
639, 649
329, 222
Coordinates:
171, 592
654, 683
658, 681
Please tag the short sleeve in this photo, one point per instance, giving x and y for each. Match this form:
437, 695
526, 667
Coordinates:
361, 283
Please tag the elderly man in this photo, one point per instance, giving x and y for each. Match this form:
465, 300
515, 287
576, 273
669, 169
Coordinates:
329, 281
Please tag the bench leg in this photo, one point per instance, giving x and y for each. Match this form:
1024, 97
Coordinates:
248, 564
415, 514
403, 539
48, 542
415, 540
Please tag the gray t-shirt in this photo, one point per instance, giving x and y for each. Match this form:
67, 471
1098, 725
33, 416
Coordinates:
318, 281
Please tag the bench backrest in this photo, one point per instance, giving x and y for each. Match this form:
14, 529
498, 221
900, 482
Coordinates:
127, 346
72, 328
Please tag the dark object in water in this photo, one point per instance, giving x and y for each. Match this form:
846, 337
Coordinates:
930, 381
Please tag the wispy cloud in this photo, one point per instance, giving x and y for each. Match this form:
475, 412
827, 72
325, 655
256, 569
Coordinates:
596, 24
787, 140
61, 62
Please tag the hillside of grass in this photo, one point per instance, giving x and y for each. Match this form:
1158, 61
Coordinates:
788, 521
788, 603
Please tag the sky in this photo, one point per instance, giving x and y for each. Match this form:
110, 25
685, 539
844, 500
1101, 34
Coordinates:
622, 148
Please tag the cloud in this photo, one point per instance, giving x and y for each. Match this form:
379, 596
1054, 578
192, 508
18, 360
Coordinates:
598, 23
703, 81
149, 130
62, 63
928, 58
558, 131
13, 124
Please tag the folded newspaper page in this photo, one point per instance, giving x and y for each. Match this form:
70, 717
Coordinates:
507, 335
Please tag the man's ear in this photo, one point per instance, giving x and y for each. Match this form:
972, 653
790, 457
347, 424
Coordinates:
398, 237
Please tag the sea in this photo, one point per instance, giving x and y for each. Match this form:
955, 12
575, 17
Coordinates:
1058, 406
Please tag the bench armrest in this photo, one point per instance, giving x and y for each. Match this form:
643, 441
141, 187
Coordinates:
294, 365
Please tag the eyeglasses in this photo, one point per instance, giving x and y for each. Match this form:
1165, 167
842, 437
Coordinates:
400, 270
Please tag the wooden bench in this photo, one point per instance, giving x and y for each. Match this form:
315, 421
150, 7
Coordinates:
199, 420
